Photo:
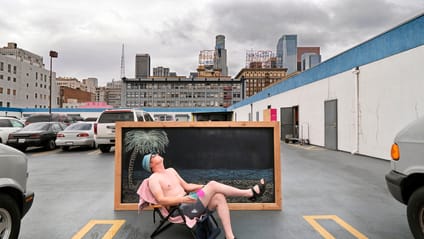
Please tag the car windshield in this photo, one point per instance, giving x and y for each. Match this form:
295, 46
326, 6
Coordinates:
78, 126
112, 117
35, 126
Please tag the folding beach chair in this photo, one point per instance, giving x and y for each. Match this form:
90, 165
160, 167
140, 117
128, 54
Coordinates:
203, 227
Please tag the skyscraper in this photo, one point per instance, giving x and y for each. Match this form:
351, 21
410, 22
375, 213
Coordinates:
220, 60
290, 53
142, 65
280, 51
287, 53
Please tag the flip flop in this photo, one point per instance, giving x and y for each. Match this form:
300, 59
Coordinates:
257, 195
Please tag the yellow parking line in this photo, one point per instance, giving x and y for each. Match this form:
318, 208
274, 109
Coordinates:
312, 220
116, 225
97, 151
44, 153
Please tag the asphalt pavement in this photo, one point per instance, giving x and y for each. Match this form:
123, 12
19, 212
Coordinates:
326, 194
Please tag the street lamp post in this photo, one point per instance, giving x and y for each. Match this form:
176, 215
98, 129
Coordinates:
52, 54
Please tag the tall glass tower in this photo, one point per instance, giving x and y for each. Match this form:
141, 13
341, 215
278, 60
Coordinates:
290, 53
287, 53
220, 59
280, 51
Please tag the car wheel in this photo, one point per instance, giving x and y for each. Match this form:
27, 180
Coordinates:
65, 148
415, 213
105, 148
10, 219
51, 145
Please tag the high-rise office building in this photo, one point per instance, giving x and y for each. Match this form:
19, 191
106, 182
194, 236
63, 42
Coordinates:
290, 53
160, 71
310, 60
24, 80
280, 51
142, 65
220, 60
308, 50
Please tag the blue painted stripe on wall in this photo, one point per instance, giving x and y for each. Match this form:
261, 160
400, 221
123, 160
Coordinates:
70, 110
401, 38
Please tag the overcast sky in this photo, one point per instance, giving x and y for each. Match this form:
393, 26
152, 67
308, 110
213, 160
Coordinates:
88, 35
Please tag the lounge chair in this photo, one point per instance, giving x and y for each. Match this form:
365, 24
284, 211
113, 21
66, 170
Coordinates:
204, 226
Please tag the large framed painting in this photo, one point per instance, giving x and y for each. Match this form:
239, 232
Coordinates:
234, 153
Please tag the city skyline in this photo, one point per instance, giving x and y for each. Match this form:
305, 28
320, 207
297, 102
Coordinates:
89, 37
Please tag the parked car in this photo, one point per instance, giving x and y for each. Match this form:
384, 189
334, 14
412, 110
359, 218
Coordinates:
104, 129
53, 117
15, 198
75, 118
91, 119
405, 181
7, 126
40, 134
79, 134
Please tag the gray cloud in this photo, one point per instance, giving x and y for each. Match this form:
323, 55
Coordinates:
89, 37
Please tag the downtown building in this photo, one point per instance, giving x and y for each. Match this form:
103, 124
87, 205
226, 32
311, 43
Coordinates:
169, 92
24, 81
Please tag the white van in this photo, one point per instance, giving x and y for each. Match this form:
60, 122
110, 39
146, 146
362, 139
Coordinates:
104, 128
405, 180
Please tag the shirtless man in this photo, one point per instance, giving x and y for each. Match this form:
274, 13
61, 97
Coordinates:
169, 189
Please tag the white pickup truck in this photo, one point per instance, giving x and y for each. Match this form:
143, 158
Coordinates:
15, 198
405, 181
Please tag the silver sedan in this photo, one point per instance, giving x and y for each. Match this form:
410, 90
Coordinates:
79, 134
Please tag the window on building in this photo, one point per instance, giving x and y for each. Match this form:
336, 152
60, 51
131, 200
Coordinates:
36, 75
8, 78
8, 104
8, 91
1, 77
14, 92
1, 90
14, 69
9, 68
1, 103
1, 66
35, 95
14, 79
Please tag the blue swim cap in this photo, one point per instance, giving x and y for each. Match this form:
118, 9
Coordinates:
146, 162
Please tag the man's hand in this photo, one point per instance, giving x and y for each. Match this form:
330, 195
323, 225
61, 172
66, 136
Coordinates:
188, 199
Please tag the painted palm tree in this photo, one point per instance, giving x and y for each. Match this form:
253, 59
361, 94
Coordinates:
141, 142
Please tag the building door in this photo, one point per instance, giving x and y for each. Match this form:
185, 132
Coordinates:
330, 109
289, 122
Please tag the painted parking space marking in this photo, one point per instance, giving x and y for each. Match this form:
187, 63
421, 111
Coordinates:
116, 225
95, 152
38, 154
313, 221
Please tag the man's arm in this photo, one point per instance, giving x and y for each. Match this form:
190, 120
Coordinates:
157, 192
188, 187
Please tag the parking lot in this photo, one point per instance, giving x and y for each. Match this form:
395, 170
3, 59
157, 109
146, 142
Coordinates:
326, 194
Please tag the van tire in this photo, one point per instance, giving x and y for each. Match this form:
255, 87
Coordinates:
10, 215
415, 213
105, 148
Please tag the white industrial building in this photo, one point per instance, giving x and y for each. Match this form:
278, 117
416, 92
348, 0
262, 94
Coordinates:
356, 101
